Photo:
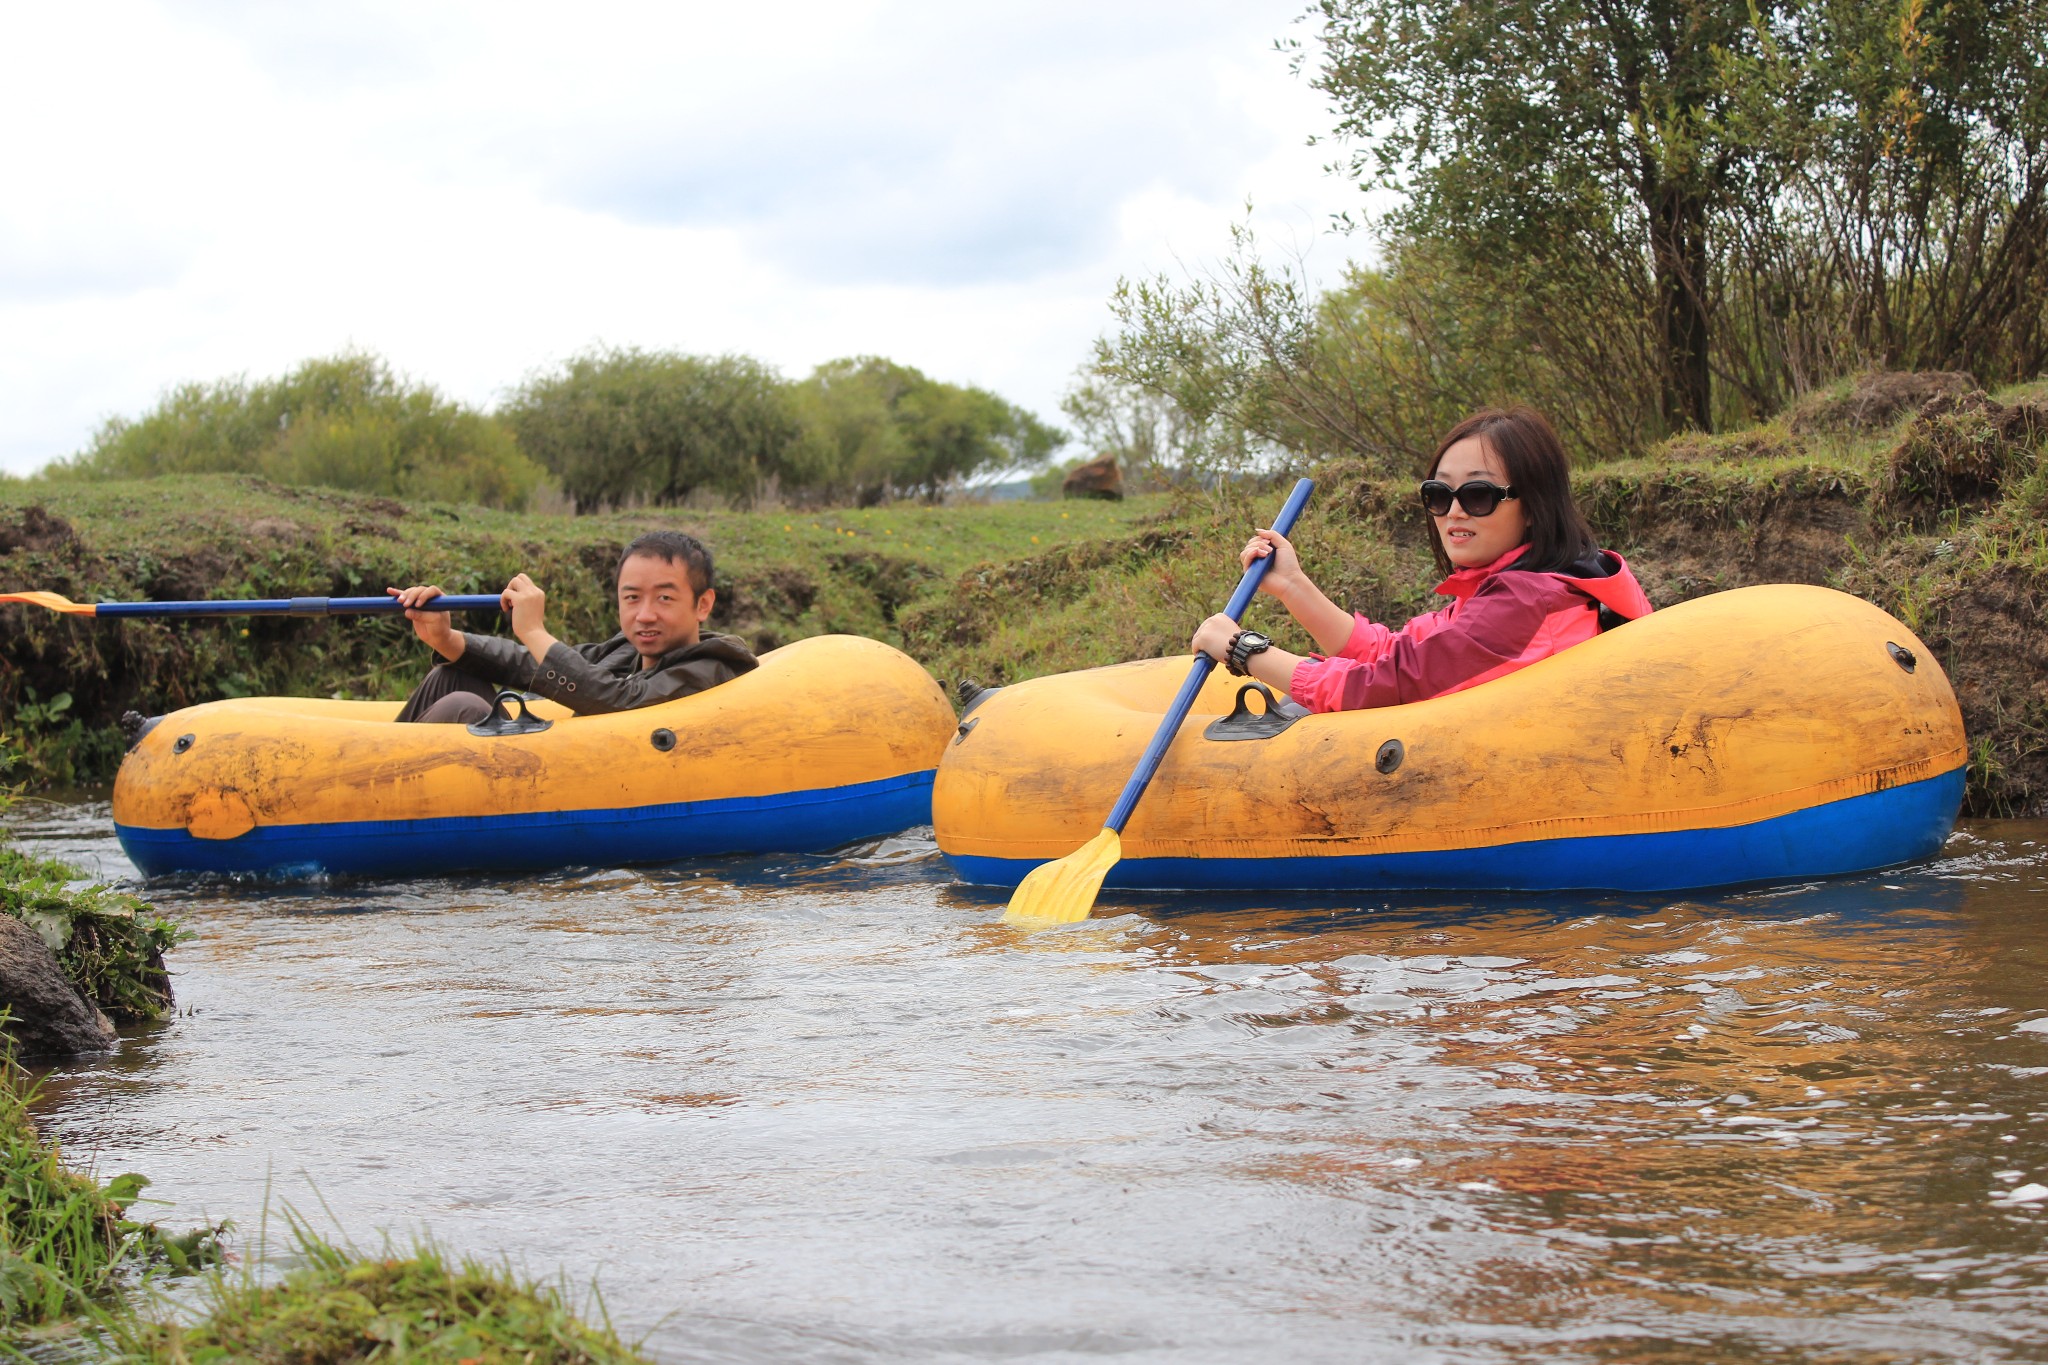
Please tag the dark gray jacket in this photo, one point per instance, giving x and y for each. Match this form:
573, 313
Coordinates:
594, 680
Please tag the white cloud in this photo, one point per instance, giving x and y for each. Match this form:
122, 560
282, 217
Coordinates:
478, 190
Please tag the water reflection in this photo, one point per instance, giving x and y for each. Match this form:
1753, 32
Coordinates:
830, 1108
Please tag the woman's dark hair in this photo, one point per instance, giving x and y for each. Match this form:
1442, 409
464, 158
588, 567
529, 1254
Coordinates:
1558, 534
676, 548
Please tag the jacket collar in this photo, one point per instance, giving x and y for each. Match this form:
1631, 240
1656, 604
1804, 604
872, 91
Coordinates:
1464, 582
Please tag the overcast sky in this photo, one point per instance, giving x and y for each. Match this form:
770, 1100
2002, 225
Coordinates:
477, 190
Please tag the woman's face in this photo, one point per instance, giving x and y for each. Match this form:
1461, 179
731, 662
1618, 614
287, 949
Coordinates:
1470, 541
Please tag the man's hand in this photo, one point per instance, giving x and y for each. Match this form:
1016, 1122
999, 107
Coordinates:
432, 627
526, 604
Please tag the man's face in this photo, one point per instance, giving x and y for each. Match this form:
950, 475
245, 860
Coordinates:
658, 610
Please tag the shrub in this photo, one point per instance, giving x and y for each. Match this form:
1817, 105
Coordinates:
625, 426
345, 422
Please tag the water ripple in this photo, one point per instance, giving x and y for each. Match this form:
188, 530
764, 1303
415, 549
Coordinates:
831, 1109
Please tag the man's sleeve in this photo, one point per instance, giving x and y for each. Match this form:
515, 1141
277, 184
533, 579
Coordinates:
569, 678
495, 659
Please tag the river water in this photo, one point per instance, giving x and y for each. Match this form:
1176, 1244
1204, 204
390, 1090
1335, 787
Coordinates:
831, 1109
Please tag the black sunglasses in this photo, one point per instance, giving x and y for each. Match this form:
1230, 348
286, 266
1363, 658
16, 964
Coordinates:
1479, 498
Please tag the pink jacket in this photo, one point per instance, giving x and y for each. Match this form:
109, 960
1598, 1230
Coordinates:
1500, 619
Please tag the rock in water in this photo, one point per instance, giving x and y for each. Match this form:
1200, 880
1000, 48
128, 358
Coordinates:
44, 1014
1099, 478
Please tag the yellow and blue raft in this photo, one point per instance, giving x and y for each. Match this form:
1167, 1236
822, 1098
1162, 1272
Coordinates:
830, 740
1763, 734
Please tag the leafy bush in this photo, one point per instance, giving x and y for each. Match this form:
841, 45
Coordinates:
875, 429
624, 426
345, 422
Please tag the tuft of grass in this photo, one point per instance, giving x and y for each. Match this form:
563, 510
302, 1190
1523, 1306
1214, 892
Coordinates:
66, 1240
1960, 455
341, 1306
110, 944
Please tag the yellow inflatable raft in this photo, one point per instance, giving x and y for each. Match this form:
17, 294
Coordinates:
830, 740
1755, 735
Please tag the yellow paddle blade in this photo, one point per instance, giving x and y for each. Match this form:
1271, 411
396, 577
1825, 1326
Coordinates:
50, 600
1063, 890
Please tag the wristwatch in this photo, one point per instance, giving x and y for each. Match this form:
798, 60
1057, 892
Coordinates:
1243, 645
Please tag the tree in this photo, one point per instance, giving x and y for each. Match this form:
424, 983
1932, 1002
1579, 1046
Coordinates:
877, 428
623, 425
1753, 182
344, 422
1587, 137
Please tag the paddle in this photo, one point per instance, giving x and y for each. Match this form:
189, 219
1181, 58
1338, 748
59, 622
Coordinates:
276, 606
1064, 890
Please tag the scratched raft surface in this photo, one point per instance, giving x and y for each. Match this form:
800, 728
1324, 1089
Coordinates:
831, 740
1763, 734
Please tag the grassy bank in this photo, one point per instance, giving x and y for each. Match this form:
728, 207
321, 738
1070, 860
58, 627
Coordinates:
1937, 518
782, 576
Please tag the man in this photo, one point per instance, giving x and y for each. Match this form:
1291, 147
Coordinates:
659, 654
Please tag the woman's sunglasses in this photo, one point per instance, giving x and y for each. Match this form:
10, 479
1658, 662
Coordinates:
1479, 498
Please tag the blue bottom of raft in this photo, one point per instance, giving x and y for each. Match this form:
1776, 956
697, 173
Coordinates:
787, 822
1858, 834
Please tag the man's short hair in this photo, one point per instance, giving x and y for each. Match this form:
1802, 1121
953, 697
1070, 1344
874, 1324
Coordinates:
676, 548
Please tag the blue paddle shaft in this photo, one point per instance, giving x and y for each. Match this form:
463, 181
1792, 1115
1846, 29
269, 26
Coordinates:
1155, 752
292, 606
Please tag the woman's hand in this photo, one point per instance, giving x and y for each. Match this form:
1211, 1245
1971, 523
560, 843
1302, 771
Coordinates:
433, 627
1285, 578
1272, 666
1214, 635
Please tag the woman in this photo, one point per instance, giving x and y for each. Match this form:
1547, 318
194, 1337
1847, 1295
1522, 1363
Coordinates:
1525, 581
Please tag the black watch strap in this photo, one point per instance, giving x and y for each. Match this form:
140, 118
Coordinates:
1243, 645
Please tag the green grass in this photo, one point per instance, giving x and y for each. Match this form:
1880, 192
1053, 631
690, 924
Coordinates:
67, 1245
111, 945
340, 1305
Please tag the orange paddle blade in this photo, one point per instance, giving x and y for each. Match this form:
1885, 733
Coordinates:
1063, 890
52, 601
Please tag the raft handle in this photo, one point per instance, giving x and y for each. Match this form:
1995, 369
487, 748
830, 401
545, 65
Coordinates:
1901, 656
1245, 723
500, 721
